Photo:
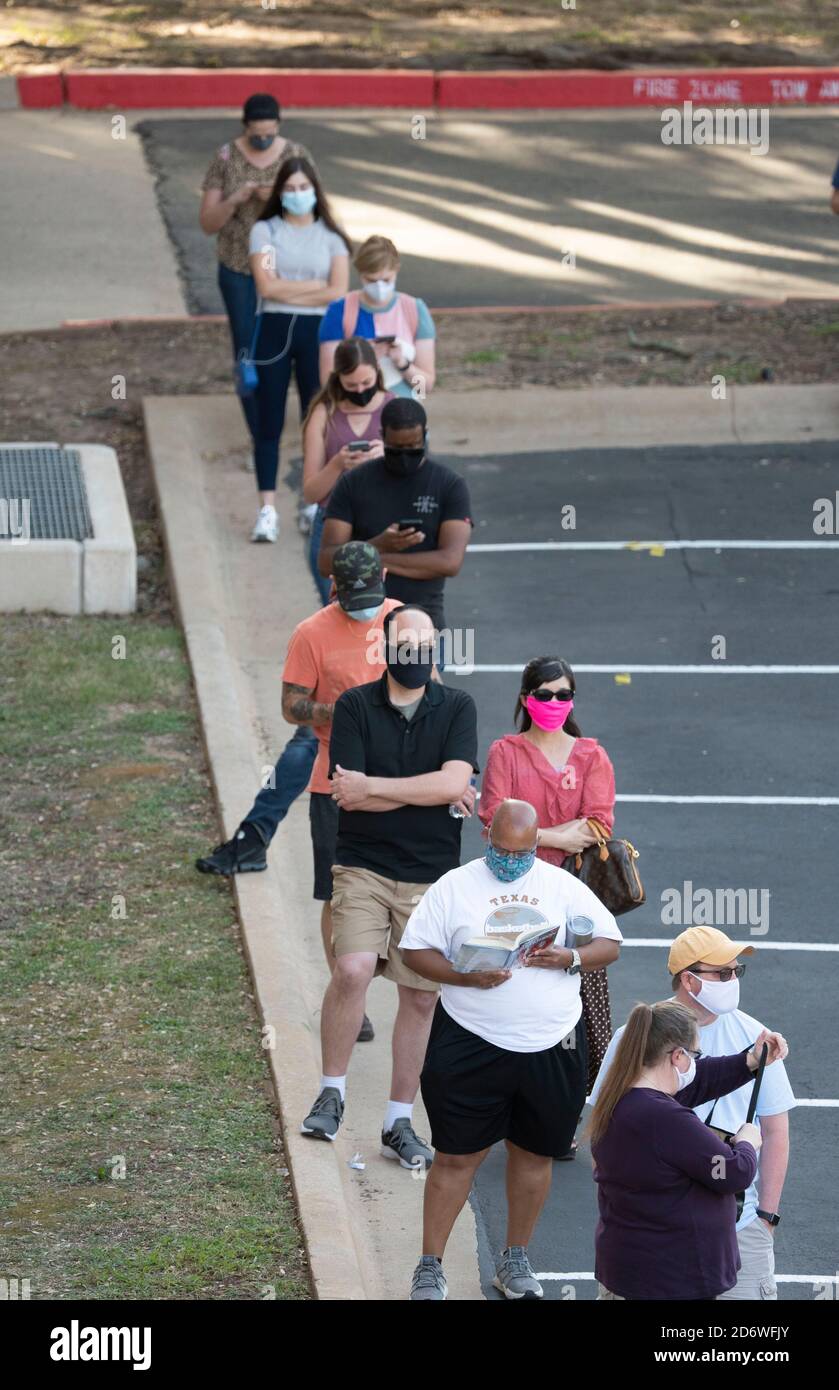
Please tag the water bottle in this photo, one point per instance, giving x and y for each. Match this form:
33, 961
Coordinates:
454, 810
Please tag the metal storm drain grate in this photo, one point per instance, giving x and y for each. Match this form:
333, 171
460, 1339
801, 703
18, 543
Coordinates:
42, 491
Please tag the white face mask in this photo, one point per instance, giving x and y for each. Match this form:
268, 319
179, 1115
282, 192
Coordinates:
380, 291
719, 996
684, 1078
365, 615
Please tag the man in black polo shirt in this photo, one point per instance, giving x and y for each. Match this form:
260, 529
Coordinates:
402, 751
415, 512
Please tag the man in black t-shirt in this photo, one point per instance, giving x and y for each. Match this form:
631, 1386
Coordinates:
415, 512
401, 753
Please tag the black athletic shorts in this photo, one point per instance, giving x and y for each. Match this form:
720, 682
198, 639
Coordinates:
476, 1093
323, 823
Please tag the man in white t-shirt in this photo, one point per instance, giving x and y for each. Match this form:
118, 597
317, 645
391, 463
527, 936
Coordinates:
506, 1056
706, 977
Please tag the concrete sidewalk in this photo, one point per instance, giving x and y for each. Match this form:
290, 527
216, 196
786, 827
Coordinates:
238, 604
82, 236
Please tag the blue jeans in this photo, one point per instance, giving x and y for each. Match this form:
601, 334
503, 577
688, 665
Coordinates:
291, 777
322, 585
239, 294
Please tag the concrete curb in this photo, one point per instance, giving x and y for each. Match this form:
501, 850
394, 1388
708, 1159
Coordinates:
420, 90
340, 1269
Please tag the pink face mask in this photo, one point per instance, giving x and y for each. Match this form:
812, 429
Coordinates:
548, 714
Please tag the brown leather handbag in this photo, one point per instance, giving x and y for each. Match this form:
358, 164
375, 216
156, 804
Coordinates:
608, 869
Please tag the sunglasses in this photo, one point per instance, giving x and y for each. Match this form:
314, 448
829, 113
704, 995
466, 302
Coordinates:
725, 974
543, 696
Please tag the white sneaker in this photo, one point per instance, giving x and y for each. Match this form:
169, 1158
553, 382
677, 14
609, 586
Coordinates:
267, 526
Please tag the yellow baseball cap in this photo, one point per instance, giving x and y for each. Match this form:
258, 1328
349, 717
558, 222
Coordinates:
705, 944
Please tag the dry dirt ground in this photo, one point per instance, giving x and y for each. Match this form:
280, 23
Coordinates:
58, 384
606, 34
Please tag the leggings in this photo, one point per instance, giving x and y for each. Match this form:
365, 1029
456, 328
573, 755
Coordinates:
274, 380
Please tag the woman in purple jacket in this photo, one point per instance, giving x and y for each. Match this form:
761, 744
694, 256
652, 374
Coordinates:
666, 1182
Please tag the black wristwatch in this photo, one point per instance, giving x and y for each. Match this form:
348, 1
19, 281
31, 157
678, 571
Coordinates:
771, 1216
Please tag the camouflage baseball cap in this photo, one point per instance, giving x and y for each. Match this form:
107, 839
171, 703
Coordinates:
357, 571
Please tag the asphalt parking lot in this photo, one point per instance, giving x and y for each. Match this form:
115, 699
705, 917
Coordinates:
542, 208
722, 734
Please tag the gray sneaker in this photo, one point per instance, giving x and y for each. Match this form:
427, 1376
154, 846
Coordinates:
324, 1119
514, 1276
403, 1143
429, 1281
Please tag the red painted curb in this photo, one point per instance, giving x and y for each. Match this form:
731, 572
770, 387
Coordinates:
41, 88
293, 87
189, 88
654, 87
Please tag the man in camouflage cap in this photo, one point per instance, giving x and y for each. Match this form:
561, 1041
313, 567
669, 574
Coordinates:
338, 647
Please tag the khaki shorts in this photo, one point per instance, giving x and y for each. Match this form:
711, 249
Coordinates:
370, 913
756, 1276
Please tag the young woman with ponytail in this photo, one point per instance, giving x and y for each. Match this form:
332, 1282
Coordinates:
666, 1182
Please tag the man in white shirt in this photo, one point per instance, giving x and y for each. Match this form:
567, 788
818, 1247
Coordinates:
506, 1057
706, 975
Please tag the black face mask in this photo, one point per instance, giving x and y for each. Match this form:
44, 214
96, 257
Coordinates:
410, 666
261, 142
360, 397
404, 462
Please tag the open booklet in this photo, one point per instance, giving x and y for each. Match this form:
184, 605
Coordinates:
502, 950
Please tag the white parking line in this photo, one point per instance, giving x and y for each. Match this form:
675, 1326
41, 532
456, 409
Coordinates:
733, 800
587, 1275
762, 945
501, 547
717, 668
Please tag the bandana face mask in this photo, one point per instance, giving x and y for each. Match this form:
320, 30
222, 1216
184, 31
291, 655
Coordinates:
508, 865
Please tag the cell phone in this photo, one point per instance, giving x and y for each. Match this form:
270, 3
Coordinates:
386, 338
360, 446
412, 524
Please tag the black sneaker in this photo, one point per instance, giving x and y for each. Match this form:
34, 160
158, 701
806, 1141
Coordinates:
244, 854
324, 1119
366, 1032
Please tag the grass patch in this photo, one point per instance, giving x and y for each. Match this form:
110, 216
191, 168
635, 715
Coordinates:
142, 1153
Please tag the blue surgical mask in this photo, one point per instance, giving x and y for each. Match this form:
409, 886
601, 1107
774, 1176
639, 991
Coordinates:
507, 866
366, 615
300, 201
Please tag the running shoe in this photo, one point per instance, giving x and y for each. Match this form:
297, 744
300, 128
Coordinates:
404, 1143
324, 1119
267, 526
514, 1276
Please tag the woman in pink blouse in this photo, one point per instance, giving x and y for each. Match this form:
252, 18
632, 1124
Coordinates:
567, 778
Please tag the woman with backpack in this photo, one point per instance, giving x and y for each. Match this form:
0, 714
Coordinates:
399, 326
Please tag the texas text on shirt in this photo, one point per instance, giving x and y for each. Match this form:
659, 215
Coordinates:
727, 1034
535, 1008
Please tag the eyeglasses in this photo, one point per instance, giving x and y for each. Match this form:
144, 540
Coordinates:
694, 1052
513, 853
725, 973
544, 695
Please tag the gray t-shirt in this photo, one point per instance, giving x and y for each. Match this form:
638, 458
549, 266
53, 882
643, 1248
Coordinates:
299, 253
410, 710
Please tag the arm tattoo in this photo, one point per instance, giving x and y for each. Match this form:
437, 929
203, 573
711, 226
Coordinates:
298, 702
